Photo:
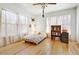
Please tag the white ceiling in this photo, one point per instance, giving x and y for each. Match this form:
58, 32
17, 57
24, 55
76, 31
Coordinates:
37, 9
29, 8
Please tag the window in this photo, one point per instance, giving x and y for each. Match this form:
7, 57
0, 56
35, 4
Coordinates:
12, 24
63, 20
3, 23
22, 26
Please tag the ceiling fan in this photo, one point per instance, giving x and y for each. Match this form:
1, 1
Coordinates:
44, 5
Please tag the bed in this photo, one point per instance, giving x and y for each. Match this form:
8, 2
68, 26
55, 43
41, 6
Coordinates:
35, 38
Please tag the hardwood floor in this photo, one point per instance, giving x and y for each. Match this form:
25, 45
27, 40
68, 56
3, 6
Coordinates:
46, 47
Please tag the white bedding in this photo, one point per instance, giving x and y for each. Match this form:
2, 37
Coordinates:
35, 38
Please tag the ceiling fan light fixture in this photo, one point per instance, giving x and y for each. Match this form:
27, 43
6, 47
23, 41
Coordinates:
44, 5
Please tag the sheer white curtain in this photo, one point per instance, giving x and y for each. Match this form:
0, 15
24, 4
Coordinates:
2, 24
22, 26
63, 20
66, 22
11, 26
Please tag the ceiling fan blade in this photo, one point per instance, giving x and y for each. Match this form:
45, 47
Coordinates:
44, 3
52, 3
37, 3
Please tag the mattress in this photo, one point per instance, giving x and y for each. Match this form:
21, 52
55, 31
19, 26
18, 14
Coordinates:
34, 38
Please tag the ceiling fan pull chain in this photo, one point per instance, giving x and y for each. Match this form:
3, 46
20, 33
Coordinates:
43, 11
